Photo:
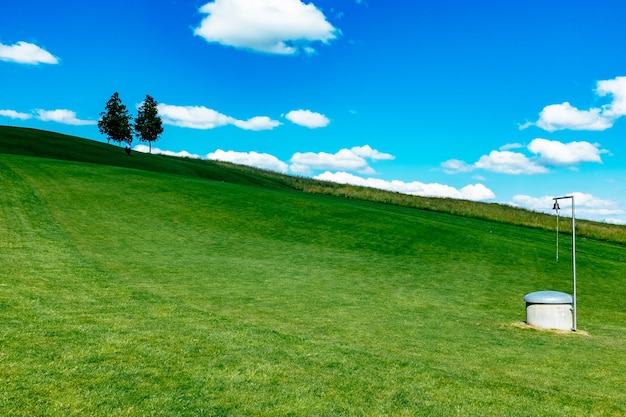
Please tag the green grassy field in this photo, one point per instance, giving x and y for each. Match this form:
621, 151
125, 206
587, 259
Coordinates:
153, 286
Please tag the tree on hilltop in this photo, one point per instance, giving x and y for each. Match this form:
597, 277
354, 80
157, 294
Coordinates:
115, 121
148, 124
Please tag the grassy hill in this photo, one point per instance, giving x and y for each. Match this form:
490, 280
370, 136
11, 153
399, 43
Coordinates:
155, 286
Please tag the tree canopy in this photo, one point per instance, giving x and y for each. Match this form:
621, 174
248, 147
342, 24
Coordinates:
115, 121
148, 124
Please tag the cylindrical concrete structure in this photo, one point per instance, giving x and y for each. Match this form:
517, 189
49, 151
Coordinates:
549, 310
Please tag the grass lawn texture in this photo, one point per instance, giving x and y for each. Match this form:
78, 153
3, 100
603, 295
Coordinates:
157, 286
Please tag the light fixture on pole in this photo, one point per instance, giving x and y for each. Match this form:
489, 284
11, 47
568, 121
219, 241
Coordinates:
557, 208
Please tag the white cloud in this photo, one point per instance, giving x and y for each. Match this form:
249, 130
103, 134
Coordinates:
307, 118
565, 116
15, 114
259, 160
546, 153
502, 162
367, 152
456, 166
283, 27
157, 151
254, 159
200, 117
26, 53
257, 123
555, 153
586, 206
63, 116
507, 162
617, 88
345, 159
476, 192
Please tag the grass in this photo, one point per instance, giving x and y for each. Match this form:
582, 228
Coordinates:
53, 145
127, 292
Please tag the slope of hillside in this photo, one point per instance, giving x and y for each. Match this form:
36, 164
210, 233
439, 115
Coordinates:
53, 145
139, 292
44, 144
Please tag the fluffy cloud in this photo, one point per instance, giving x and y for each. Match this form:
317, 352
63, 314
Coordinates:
367, 152
255, 159
476, 192
617, 88
257, 123
283, 27
15, 114
587, 206
26, 53
555, 153
546, 153
200, 117
354, 159
259, 160
307, 118
565, 116
507, 162
63, 116
157, 151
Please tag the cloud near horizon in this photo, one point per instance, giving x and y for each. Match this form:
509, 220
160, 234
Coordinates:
200, 117
474, 192
354, 159
26, 53
565, 116
63, 116
545, 154
587, 206
279, 27
301, 163
13, 114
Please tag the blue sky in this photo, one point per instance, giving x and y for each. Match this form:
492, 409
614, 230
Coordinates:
504, 102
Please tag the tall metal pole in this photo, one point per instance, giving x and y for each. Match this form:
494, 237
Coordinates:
556, 207
574, 260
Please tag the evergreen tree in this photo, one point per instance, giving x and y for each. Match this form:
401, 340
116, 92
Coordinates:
116, 122
148, 124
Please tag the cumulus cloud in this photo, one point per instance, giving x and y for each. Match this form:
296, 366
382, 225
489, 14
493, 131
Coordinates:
587, 206
507, 162
545, 154
282, 27
200, 117
307, 118
26, 53
63, 116
157, 151
565, 116
555, 153
257, 123
354, 159
367, 152
255, 159
259, 160
476, 192
12, 114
